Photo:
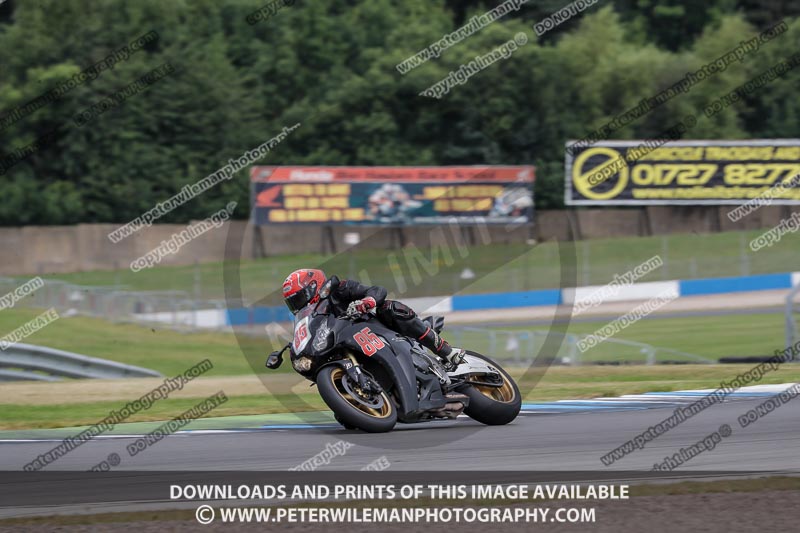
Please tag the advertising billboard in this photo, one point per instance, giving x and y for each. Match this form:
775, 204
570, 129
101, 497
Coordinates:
645, 172
392, 195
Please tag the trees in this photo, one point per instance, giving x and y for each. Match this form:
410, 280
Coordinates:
330, 65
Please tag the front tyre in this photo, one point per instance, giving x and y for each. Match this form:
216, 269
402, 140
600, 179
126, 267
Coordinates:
493, 406
351, 406
342, 423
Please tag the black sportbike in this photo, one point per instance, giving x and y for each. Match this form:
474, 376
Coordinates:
372, 377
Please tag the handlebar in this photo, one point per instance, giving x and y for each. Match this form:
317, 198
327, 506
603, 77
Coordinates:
352, 313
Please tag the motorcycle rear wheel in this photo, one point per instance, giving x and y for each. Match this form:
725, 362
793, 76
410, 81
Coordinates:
493, 406
353, 411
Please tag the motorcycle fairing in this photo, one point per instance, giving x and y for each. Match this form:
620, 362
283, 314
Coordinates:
394, 357
318, 334
473, 365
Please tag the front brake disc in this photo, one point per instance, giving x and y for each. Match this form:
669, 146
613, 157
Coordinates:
374, 403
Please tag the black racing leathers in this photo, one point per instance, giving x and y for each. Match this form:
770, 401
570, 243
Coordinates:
393, 314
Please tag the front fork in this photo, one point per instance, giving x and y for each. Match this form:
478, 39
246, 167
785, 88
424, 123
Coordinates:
357, 376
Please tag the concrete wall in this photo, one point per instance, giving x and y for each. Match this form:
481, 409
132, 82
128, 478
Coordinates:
654, 220
85, 247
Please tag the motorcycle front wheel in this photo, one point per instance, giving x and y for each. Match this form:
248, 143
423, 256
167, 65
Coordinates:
373, 413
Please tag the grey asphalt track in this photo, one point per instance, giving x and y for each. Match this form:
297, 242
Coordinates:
569, 446
536, 442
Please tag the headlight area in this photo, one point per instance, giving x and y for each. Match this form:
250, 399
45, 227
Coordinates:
302, 364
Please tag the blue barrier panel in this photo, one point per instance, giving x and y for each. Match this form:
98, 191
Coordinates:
257, 315
506, 299
470, 302
762, 282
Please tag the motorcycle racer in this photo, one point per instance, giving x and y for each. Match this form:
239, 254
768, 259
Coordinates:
302, 287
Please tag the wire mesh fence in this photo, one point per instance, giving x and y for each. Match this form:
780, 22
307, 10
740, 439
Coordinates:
524, 347
175, 309
193, 297
411, 272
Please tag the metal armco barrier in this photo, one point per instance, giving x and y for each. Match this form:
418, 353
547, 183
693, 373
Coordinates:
26, 361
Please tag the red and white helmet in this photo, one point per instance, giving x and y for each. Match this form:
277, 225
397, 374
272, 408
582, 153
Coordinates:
301, 288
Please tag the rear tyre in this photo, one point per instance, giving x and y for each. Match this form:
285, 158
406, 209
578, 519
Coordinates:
370, 413
493, 406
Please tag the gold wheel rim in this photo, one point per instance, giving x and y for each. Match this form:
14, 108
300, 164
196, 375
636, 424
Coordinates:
503, 394
386, 409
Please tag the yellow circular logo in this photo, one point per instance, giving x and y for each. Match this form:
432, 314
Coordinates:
586, 180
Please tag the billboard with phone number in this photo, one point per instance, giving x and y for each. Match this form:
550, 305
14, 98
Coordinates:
392, 195
640, 172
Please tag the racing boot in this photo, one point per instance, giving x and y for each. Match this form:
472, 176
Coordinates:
455, 357
451, 356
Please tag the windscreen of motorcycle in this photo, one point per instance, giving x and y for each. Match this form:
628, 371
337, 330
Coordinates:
301, 331
312, 321
301, 336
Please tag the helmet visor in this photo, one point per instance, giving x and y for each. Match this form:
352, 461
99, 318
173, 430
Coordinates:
300, 299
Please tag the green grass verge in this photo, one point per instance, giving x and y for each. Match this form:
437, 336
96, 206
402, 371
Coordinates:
709, 337
537, 384
18, 416
172, 352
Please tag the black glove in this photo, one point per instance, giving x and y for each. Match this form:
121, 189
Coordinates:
275, 359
